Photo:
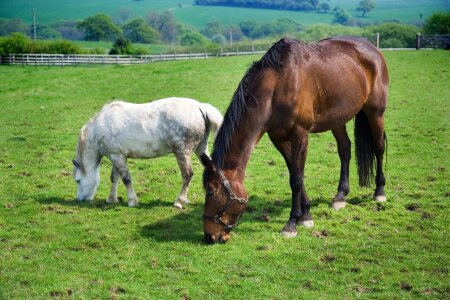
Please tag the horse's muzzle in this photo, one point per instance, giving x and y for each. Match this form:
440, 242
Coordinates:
212, 239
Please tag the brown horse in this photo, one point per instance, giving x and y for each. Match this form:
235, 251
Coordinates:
295, 89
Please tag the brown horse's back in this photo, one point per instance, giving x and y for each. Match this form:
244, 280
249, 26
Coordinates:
323, 85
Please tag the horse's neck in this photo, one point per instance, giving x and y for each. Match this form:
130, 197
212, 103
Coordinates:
88, 153
243, 141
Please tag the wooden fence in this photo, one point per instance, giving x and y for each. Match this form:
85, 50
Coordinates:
91, 59
422, 42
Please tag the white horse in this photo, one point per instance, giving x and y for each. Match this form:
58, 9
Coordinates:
124, 130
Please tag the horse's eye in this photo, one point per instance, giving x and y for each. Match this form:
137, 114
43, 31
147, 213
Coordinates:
209, 193
78, 181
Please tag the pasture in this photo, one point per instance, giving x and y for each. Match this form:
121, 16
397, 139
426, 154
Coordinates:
53, 247
48, 11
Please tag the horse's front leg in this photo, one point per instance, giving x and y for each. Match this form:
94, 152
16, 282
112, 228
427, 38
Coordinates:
120, 162
115, 176
300, 203
344, 151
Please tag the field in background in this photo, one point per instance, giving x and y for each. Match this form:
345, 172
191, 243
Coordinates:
54, 247
48, 11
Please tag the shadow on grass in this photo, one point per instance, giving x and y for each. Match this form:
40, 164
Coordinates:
187, 225
101, 204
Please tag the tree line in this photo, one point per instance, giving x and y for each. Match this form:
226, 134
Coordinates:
164, 29
298, 5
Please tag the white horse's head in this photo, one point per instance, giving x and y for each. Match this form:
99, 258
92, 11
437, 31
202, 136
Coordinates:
87, 181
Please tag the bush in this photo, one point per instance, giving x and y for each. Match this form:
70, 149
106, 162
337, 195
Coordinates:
400, 35
19, 43
121, 46
15, 43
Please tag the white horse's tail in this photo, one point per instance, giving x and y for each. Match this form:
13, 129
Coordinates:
213, 118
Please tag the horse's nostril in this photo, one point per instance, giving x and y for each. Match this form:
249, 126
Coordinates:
209, 239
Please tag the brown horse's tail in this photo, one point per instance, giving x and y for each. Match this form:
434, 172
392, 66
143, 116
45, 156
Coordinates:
364, 149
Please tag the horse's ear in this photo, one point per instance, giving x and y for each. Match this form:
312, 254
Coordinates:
76, 164
207, 163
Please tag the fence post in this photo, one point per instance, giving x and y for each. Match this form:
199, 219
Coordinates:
378, 40
62, 60
418, 41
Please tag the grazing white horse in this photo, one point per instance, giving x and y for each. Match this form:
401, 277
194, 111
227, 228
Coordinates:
124, 130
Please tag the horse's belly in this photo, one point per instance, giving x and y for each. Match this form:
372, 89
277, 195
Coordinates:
332, 120
147, 150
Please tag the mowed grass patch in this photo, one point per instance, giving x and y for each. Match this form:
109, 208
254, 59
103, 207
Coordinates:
53, 246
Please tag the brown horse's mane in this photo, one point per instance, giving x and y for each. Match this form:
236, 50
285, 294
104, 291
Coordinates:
241, 97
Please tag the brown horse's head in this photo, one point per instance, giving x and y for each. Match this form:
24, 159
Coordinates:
225, 201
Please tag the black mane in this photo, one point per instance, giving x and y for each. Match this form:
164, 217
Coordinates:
241, 98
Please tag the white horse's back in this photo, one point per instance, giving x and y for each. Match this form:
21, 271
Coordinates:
151, 129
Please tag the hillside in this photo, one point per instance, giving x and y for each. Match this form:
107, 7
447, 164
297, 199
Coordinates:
48, 11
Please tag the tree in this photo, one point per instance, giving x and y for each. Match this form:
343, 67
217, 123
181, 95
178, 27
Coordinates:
138, 31
324, 7
365, 6
46, 32
68, 30
189, 36
341, 16
165, 24
8, 26
122, 15
212, 29
100, 28
438, 23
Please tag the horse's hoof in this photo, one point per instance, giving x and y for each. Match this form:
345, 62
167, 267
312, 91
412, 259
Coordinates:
133, 203
307, 223
337, 205
112, 200
289, 231
380, 198
178, 205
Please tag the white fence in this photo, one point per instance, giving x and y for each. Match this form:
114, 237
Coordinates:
89, 59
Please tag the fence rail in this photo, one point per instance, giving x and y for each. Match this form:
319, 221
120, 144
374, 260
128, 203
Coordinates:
89, 59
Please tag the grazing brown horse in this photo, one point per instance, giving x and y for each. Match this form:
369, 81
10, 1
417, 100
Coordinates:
295, 89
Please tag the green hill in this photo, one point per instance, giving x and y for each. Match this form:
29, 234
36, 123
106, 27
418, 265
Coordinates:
48, 11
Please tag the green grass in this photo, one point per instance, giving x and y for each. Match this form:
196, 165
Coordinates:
53, 247
106, 46
48, 11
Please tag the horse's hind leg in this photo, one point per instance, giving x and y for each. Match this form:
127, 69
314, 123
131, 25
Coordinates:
376, 123
120, 162
184, 162
202, 147
115, 176
344, 150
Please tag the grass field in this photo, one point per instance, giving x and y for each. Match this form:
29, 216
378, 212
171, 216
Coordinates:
48, 11
53, 247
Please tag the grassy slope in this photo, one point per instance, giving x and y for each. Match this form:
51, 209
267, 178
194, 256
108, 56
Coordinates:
52, 10
53, 246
